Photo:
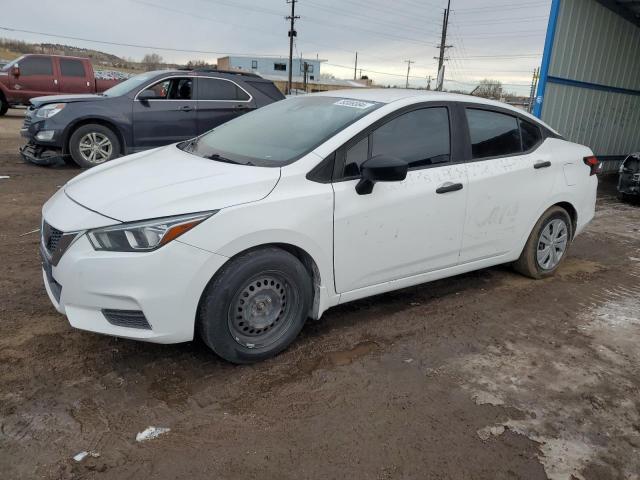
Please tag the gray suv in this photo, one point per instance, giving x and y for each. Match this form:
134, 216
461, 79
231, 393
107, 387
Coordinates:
146, 111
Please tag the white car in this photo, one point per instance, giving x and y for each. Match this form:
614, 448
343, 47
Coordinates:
272, 218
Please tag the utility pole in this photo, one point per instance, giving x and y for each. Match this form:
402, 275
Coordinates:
292, 33
355, 69
429, 83
409, 62
443, 46
534, 86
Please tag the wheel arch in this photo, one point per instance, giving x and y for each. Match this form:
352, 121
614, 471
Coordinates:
318, 304
573, 214
99, 121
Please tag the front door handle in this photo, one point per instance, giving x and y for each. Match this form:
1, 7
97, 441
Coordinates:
538, 165
185, 108
449, 187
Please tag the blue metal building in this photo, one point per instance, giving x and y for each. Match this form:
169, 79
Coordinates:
589, 87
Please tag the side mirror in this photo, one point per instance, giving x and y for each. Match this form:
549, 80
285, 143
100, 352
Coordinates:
147, 94
381, 168
15, 70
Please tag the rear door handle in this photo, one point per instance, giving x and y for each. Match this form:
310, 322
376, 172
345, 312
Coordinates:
449, 187
538, 165
185, 108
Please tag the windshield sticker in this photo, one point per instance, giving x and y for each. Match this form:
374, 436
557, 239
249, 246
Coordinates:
354, 104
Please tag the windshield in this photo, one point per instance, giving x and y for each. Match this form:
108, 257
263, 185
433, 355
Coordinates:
8, 66
128, 85
279, 133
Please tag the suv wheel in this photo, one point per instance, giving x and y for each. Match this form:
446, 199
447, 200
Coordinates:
93, 144
547, 245
4, 106
255, 306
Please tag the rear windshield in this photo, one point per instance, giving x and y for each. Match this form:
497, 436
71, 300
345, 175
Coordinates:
281, 132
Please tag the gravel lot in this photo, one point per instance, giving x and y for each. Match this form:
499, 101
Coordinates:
488, 375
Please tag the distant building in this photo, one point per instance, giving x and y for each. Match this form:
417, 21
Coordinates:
276, 69
272, 66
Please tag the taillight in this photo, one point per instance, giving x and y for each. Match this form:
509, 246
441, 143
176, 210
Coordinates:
593, 163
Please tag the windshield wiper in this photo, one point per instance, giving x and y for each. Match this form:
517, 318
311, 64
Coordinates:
220, 158
189, 144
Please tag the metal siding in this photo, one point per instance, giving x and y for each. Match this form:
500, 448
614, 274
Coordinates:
595, 45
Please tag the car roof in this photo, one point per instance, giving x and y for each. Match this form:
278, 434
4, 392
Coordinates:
210, 73
390, 95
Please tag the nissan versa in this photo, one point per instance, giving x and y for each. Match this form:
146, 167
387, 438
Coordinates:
243, 233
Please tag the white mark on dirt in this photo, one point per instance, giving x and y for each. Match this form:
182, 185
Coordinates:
490, 431
150, 433
78, 457
29, 233
2, 177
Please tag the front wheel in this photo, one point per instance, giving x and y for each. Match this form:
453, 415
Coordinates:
547, 245
4, 106
93, 144
255, 306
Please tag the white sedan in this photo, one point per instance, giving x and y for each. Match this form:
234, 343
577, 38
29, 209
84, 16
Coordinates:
246, 231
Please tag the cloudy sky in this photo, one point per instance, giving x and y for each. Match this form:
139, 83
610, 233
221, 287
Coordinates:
501, 39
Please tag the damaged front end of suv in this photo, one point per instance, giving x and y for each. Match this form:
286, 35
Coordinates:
629, 178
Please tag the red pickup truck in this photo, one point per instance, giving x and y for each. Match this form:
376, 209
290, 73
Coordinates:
32, 76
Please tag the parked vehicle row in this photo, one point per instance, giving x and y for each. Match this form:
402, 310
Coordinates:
241, 234
145, 111
32, 76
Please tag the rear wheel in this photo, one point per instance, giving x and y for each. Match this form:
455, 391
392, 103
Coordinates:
4, 106
255, 306
93, 144
547, 245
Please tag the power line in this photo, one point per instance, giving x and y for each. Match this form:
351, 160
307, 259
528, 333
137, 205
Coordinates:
134, 45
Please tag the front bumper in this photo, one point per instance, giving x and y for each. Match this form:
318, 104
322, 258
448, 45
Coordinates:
165, 285
41, 155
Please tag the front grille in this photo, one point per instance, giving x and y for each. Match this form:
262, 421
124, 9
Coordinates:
51, 237
126, 318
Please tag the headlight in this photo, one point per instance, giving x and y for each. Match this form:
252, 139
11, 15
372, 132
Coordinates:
144, 236
50, 110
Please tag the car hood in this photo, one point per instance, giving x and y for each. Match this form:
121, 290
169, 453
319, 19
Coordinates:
167, 181
39, 101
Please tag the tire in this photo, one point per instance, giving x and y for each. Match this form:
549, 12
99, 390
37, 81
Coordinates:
4, 106
255, 306
551, 223
622, 197
84, 138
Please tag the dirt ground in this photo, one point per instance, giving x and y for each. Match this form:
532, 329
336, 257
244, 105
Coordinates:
483, 376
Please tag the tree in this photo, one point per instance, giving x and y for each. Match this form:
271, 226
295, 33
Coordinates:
488, 89
152, 61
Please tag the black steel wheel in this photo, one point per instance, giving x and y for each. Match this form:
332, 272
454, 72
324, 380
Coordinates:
256, 305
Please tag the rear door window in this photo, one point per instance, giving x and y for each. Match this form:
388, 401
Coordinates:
71, 68
36, 66
221, 90
493, 134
